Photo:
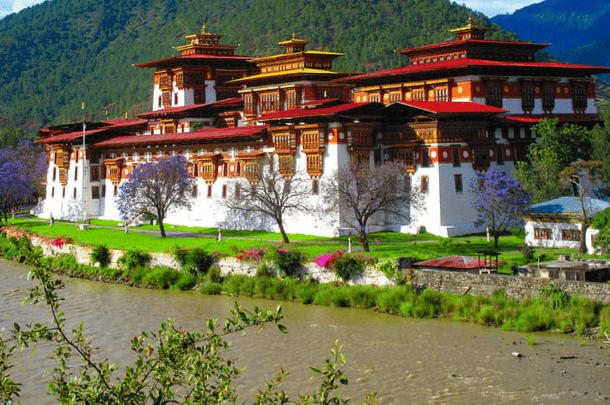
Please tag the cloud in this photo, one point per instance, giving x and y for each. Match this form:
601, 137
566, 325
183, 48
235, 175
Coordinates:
493, 7
14, 6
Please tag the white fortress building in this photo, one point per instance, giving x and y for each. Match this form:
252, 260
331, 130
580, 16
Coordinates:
455, 108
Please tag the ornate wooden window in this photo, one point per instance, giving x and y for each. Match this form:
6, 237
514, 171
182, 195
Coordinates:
543, 233
441, 94
291, 99
252, 171
570, 234
199, 95
167, 99
269, 102
286, 164
179, 78
548, 97
579, 97
314, 165
95, 173
455, 155
361, 138
459, 186
493, 95
310, 140
499, 155
425, 157
418, 95
249, 105
95, 192
395, 96
528, 96
165, 82
375, 98
284, 142
424, 184
480, 159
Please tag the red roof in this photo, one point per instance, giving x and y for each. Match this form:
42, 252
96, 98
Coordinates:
456, 262
560, 117
439, 107
78, 134
198, 57
465, 63
199, 135
306, 112
175, 110
70, 136
464, 41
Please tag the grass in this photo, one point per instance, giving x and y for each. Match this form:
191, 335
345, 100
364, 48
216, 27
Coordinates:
382, 245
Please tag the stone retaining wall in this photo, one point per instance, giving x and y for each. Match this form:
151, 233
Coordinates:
518, 287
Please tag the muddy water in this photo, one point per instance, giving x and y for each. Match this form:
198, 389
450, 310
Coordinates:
406, 361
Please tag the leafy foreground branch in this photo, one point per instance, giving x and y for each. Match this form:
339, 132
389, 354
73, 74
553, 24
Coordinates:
172, 365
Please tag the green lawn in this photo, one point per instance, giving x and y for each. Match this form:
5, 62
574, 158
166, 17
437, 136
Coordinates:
382, 245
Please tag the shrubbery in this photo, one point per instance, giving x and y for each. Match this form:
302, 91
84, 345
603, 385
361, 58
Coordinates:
287, 262
101, 255
196, 261
133, 258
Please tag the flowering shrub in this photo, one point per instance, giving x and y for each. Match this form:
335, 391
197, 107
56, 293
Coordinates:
344, 266
288, 262
60, 241
327, 261
252, 255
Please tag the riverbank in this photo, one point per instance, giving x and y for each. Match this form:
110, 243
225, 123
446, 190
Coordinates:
405, 360
552, 308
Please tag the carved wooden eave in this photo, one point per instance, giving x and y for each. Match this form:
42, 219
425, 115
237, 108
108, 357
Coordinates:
208, 166
114, 168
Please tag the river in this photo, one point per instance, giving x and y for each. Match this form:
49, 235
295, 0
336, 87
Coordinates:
406, 361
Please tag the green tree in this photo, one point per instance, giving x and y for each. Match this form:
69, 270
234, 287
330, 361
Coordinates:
602, 223
556, 147
600, 141
582, 176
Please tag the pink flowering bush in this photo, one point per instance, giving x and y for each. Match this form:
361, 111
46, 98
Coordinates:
61, 241
345, 266
252, 255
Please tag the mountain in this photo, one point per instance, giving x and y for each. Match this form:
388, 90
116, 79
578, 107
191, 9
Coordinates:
578, 30
61, 53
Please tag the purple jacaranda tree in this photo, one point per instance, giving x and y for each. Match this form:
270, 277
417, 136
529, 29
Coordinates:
499, 201
360, 192
156, 188
22, 170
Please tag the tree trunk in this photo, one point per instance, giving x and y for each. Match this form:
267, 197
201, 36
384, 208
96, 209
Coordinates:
161, 227
365, 241
583, 239
496, 237
280, 224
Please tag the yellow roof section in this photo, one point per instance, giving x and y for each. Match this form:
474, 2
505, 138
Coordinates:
284, 55
286, 73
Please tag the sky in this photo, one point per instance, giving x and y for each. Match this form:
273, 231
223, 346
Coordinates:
488, 7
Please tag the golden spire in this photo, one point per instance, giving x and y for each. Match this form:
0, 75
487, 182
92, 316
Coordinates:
204, 28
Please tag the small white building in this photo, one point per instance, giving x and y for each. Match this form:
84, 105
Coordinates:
556, 223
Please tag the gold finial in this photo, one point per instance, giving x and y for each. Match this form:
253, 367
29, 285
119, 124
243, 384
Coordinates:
126, 115
82, 105
204, 28
470, 19
294, 35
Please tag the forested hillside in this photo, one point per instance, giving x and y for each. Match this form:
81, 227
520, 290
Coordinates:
578, 30
58, 54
